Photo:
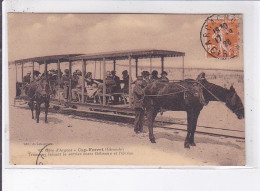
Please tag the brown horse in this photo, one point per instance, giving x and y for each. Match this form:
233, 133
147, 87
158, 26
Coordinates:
189, 96
39, 92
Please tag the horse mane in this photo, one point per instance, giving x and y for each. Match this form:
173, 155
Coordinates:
218, 91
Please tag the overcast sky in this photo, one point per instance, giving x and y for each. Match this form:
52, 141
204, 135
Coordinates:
31, 35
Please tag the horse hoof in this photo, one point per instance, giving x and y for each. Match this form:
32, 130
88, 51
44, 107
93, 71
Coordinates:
32, 117
192, 144
186, 145
152, 140
46, 121
37, 121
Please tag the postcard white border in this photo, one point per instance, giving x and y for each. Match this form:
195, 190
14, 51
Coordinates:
250, 11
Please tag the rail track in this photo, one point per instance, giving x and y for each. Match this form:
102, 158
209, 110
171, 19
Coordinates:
129, 119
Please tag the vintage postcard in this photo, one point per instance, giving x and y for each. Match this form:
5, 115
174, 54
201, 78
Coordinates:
126, 89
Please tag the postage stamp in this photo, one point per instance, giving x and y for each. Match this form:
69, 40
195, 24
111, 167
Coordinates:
220, 36
126, 89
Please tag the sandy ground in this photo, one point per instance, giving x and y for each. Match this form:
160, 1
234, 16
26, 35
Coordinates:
81, 141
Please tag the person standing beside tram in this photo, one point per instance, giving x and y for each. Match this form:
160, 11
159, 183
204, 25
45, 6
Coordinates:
138, 94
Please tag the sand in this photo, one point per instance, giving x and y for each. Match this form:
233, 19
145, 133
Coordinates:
79, 138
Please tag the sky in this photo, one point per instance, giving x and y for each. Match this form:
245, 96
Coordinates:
32, 35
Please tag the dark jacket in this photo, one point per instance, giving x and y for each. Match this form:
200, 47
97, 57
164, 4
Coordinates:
117, 81
138, 97
164, 79
27, 79
65, 79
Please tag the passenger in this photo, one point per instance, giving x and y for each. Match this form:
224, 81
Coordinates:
36, 75
65, 82
146, 79
117, 81
164, 77
89, 80
110, 82
53, 76
27, 78
138, 104
117, 87
76, 91
154, 76
125, 81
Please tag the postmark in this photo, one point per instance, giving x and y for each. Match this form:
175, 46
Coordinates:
41, 156
219, 36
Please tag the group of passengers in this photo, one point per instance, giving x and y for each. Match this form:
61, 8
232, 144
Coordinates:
148, 78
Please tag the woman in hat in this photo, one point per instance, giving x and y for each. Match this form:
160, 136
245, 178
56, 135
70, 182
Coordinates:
164, 77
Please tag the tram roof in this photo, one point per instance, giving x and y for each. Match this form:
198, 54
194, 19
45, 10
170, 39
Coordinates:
48, 59
123, 55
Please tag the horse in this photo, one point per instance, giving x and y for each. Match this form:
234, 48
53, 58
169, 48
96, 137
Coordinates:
39, 91
190, 96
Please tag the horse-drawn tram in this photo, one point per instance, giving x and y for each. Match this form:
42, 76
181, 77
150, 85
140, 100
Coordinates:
108, 95
82, 89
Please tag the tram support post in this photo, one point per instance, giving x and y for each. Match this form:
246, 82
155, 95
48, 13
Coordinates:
104, 81
182, 67
46, 68
32, 76
59, 79
114, 62
130, 82
83, 80
22, 71
162, 60
151, 65
70, 85
95, 70
15, 72
58, 68
100, 70
136, 67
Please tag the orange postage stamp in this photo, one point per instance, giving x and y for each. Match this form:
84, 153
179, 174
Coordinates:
220, 36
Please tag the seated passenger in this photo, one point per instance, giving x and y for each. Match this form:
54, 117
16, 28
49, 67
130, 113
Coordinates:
117, 81
77, 85
146, 79
154, 76
110, 83
89, 80
125, 81
164, 77
36, 75
65, 82
27, 78
117, 87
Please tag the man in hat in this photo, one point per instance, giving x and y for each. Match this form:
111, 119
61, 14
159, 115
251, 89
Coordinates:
65, 81
138, 104
125, 81
27, 78
36, 75
117, 87
164, 77
154, 76
146, 79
